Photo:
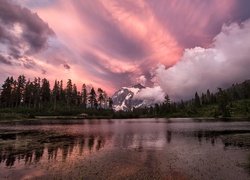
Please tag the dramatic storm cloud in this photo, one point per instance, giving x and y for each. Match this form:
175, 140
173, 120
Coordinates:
111, 43
21, 31
227, 61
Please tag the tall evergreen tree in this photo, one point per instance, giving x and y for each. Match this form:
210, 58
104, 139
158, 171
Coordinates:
45, 90
37, 92
28, 94
92, 98
222, 100
61, 92
208, 97
110, 103
166, 104
6, 92
19, 90
74, 95
105, 99
197, 102
69, 92
84, 96
203, 99
100, 97
55, 94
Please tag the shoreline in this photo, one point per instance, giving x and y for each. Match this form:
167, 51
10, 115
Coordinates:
107, 117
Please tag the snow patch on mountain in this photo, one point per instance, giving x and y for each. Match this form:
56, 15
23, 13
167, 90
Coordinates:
123, 98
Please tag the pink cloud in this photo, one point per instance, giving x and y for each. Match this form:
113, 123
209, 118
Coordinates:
76, 31
112, 43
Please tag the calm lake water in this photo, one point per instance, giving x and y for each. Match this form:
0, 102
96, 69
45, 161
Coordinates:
123, 149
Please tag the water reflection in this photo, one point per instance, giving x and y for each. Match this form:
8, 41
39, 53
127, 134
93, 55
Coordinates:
32, 146
106, 147
169, 136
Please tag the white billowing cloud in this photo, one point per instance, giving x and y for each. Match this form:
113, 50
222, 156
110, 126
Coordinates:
227, 61
151, 95
142, 80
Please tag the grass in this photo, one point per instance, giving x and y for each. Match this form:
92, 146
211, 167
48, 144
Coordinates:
12, 116
242, 140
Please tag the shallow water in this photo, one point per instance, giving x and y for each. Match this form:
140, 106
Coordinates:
122, 149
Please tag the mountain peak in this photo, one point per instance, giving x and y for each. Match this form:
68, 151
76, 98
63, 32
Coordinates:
123, 98
139, 86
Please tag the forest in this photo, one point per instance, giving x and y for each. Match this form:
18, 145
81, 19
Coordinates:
233, 102
22, 98
33, 98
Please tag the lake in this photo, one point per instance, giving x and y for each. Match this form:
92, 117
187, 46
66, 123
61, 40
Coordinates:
124, 149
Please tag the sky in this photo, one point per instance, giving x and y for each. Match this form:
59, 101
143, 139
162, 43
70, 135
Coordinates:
174, 47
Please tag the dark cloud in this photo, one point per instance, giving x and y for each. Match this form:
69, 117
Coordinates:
28, 62
38, 3
21, 31
14, 52
4, 60
7, 37
241, 10
66, 66
43, 71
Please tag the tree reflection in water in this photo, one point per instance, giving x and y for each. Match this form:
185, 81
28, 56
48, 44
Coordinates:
31, 146
35, 146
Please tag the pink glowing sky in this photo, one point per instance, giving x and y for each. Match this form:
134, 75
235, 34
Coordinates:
109, 43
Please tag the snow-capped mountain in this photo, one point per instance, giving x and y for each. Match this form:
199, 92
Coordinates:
123, 98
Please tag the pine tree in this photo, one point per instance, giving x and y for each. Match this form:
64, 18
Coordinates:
100, 97
37, 92
69, 92
110, 103
55, 93
74, 95
28, 93
20, 84
45, 90
222, 100
61, 92
197, 102
105, 99
92, 98
208, 97
84, 96
6, 92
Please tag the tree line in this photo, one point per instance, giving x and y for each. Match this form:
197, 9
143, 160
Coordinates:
222, 103
38, 95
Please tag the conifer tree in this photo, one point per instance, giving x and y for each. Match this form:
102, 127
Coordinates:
84, 96
100, 97
55, 93
222, 103
92, 98
197, 102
